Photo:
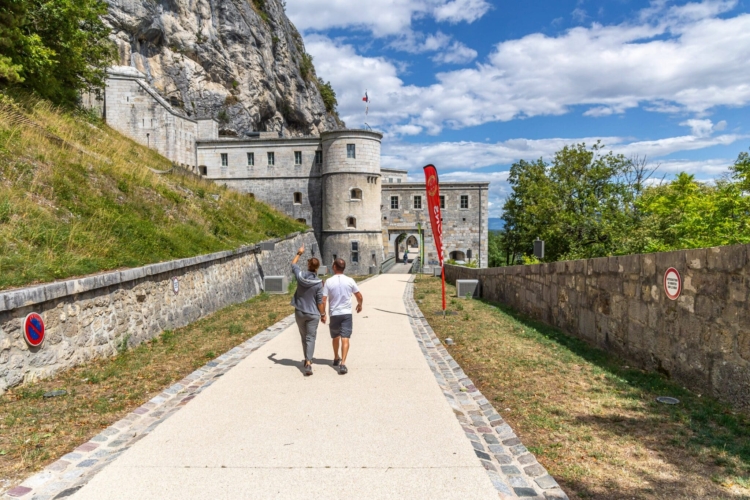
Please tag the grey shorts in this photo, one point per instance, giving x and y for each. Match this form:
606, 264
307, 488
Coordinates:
341, 326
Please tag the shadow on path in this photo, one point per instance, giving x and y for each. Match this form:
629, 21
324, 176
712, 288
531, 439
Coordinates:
299, 364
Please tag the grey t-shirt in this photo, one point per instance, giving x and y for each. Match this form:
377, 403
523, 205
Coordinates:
309, 291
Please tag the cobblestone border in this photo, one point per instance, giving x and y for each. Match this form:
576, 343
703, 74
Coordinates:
513, 470
73, 471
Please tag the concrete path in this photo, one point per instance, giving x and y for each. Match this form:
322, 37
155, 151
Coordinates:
265, 431
406, 422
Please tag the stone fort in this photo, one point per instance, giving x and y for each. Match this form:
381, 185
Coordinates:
334, 183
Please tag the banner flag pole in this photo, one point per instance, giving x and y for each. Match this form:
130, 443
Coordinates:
433, 202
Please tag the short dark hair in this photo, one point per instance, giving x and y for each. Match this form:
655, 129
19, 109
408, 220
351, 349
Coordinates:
313, 264
340, 264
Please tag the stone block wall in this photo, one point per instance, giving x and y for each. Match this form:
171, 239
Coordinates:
88, 318
619, 304
137, 111
463, 229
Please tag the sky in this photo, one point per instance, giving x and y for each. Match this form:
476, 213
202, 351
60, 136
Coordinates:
473, 86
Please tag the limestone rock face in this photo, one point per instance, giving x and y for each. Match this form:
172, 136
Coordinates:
234, 60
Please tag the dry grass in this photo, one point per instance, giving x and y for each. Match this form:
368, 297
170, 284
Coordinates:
591, 420
35, 431
93, 203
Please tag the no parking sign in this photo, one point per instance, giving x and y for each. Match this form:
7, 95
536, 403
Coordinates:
33, 330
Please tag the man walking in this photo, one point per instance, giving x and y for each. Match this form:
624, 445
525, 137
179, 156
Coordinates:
308, 306
338, 292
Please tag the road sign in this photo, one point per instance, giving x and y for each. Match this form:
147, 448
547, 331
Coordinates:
672, 283
33, 330
176, 285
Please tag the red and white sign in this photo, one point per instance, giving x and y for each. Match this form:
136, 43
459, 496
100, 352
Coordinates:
672, 283
33, 330
433, 203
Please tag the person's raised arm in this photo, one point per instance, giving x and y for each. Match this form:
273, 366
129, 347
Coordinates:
299, 254
358, 295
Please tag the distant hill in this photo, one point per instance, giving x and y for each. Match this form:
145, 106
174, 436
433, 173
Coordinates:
496, 224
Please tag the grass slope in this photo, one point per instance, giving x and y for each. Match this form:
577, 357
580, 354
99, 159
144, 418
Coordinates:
91, 203
590, 419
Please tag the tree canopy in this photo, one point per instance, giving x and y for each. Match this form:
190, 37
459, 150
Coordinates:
56, 48
586, 204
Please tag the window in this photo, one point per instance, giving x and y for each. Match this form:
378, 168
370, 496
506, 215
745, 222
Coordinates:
319, 157
398, 181
250, 159
464, 201
251, 195
203, 170
355, 251
303, 221
224, 159
442, 201
298, 198
351, 223
355, 194
298, 157
351, 151
418, 203
394, 202
271, 159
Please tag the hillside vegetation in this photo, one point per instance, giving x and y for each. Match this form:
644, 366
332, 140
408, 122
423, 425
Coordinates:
76, 198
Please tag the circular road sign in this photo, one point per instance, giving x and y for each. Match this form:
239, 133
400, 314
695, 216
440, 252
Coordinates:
33, 330
672, 283
176, 285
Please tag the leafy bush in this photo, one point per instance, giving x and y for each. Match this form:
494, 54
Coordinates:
328, 95
56, 48
306, 68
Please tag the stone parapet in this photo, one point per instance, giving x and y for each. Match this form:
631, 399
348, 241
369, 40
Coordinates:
702, 339
90, 317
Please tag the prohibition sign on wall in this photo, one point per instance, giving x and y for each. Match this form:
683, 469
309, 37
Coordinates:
33, 330
672, 283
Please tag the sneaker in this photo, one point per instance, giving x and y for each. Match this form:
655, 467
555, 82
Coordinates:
343, 370
308, 370
336, 362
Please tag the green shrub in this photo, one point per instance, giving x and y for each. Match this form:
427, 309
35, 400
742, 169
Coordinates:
328, 95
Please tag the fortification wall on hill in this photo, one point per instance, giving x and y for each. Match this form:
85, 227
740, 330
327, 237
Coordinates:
619, 304
88, 318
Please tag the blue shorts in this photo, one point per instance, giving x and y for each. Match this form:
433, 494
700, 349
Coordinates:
342, 326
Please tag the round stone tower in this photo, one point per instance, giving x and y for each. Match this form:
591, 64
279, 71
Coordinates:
351, 199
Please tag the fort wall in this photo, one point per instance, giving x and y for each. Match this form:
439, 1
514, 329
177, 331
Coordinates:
702, 339
88, 318
465, 230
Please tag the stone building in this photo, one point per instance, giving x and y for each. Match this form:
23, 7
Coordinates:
333, 182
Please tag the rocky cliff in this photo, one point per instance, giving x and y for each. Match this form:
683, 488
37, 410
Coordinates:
239, 61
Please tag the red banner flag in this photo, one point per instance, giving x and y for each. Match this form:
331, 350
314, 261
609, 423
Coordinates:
433, 203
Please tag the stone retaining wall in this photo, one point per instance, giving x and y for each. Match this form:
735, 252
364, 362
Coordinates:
619, 304
88, 318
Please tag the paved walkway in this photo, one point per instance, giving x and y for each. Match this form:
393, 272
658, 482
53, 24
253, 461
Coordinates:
404, 423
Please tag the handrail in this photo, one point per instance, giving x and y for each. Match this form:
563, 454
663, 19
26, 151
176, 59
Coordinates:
387, 265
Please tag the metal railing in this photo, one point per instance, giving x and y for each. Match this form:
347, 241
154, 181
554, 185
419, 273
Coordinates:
387, 265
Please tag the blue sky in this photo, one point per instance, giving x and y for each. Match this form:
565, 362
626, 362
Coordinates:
475, 85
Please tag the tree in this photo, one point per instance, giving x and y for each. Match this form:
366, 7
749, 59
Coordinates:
581, 204
328, 95
56, 48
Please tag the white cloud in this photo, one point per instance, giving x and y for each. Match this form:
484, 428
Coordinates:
447, 50
381, 17
455, 53
675, 59
461, 10
700, 128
